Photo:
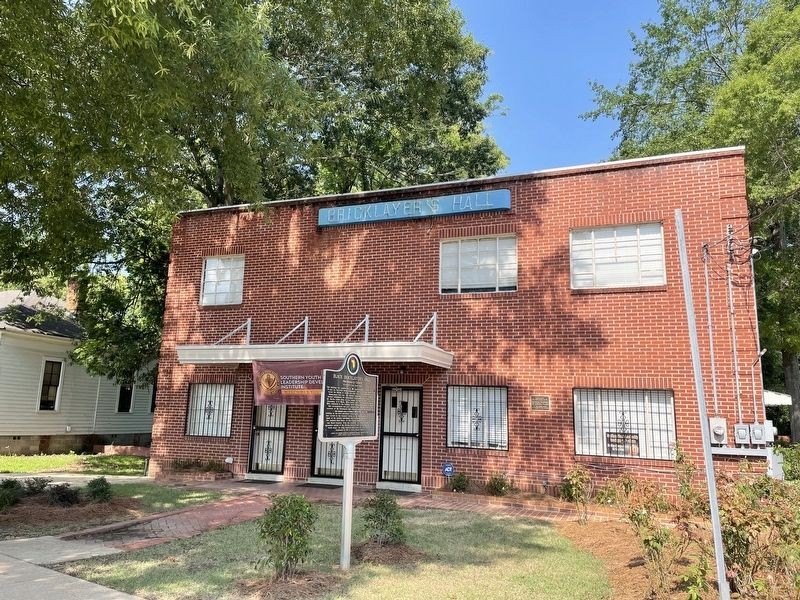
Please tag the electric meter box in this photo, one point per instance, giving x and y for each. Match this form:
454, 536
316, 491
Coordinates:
770, 431
718, 427
741, 434
758, 434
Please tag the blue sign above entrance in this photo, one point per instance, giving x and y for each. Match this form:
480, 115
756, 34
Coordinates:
395, 210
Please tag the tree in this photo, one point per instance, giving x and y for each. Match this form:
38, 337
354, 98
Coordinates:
718, 73
117, 114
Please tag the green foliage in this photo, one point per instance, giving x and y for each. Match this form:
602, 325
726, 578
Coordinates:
695, 580
498, 485
577, 487
63, 494
791, 461
607, 494
459, 482
36, 485
11, 491
99, 490
286, 530
760, 521
117, 115
383, 519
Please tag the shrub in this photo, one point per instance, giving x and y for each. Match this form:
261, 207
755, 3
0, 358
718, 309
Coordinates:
63, 494
577, 487
286, 528
12, 485
791, 461
607, 494
36, 485
459, 482
383, 519
195, 464
498, 485
99, 490
9, 497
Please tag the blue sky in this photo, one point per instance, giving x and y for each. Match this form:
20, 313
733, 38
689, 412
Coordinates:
544, 54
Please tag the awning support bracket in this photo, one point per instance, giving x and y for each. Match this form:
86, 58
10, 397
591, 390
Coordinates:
431, 323
247, 326
304, 325
365, 323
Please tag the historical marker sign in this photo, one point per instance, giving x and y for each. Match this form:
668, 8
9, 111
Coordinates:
349, 408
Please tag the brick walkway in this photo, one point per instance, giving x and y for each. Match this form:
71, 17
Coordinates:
253, 499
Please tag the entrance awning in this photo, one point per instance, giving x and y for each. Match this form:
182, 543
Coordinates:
386, 352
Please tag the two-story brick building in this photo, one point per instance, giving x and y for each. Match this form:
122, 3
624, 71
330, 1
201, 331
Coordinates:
556, 329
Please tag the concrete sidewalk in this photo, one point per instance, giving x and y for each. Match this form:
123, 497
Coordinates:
21, 580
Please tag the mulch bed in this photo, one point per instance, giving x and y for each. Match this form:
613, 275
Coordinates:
34, 512
614, 544
302, 585
387, 554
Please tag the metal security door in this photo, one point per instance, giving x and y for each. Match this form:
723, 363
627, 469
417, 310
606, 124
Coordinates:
327, 458
268, 440
400, 435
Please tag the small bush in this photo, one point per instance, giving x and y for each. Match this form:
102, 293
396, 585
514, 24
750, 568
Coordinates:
383, 519
286, 530
63, 494
9, 497
607, 495
577, 487
36, 485
12, 485
791, 461
459, 482
99, 490
498, 485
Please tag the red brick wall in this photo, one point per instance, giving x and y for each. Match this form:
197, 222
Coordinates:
542, 339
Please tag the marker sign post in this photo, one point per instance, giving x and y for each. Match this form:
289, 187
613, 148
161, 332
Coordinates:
348, 414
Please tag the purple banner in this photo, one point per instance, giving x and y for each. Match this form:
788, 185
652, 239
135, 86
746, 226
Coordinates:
295, 382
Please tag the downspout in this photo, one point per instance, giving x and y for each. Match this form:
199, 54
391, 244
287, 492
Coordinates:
96, 403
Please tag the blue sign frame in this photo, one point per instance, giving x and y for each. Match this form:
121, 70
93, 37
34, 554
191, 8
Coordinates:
397, 210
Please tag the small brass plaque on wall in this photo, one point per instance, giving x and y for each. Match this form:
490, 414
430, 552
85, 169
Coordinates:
540, 402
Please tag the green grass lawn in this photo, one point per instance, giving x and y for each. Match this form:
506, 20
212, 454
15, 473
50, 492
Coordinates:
467, 556
33, 517
98, 464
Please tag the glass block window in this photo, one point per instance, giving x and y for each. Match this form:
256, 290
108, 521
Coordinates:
478, 265
477, 417
631, 423
210, 409
125, 399
50, 391
223, 277
626, 255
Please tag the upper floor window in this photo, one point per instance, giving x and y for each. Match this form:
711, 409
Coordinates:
622, 256
125, 398
487, 264
223, 277
50, 392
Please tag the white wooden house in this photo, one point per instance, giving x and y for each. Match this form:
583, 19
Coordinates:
51, 404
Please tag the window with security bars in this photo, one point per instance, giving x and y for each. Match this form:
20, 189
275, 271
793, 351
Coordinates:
487, 264
477, 417
223, 278
51, 384
632, 423
210, 409
626, 255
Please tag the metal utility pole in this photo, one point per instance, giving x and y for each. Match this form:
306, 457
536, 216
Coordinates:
719, 554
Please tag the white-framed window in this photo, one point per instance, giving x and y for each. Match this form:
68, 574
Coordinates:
52, 380
621, 256
210, 409
125, 398
223, 279
630, 423
477, 417
480, 264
